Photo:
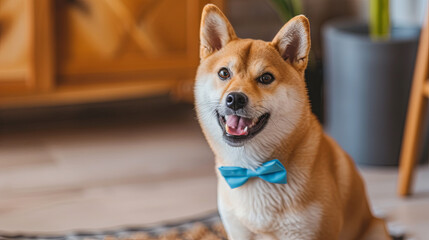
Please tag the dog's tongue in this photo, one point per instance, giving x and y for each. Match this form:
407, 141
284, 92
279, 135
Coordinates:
236, 125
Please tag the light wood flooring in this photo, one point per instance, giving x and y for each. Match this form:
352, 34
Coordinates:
135, 163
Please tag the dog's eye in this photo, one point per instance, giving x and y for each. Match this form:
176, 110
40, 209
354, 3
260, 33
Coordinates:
266, 78
224, 74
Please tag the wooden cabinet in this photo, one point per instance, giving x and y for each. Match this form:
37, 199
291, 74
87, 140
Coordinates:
15, 46
76, 51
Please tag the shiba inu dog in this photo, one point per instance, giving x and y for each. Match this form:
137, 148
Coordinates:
252, 104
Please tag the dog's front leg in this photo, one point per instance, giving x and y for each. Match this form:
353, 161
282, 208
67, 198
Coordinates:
233, 227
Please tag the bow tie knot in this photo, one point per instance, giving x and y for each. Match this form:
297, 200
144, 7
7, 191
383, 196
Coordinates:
272, 171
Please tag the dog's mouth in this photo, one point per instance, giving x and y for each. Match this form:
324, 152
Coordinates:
238, 129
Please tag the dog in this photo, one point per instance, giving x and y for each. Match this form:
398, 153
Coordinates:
252, 105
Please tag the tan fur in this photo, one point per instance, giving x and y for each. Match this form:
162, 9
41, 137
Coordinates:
325, 197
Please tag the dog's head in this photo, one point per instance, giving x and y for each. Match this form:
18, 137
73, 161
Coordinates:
250, 92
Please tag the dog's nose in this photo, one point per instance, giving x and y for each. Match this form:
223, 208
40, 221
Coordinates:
236, 100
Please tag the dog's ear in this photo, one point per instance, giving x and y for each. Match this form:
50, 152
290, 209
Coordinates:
215, 31
293, 42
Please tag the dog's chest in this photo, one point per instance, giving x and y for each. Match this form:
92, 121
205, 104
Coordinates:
265, 207
259, 204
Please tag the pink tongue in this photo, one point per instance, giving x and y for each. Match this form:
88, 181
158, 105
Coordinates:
236, 125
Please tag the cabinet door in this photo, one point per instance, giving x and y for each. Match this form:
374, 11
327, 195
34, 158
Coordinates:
15, 68
111, 40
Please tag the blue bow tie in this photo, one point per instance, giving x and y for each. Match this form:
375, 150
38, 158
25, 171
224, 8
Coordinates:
272, 171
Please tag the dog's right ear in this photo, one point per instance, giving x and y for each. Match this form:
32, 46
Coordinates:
215, 31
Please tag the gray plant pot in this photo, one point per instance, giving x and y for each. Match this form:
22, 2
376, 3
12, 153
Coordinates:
367, 86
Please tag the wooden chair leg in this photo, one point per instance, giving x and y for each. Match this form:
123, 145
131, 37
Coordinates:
413, 130
416, 108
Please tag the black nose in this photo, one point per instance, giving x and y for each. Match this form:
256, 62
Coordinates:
236, 100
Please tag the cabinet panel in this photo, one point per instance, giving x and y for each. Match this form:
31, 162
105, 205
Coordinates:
14, 45
114, 36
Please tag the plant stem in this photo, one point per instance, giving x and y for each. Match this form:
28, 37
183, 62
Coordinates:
379, 19
297, 7
287, 9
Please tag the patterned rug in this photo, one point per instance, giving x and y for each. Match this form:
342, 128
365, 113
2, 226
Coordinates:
206, 228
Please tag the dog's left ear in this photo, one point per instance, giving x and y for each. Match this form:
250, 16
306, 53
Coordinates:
215, 31
293, 42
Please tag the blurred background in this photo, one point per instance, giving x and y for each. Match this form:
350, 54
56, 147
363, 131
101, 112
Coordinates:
97, 124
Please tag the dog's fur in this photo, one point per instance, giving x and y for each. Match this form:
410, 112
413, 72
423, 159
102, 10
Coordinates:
325, 197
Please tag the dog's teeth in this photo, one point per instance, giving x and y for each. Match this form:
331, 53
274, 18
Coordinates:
253, 122
245, 129
226, 128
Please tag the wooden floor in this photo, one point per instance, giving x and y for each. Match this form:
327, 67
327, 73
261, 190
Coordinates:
100, 167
